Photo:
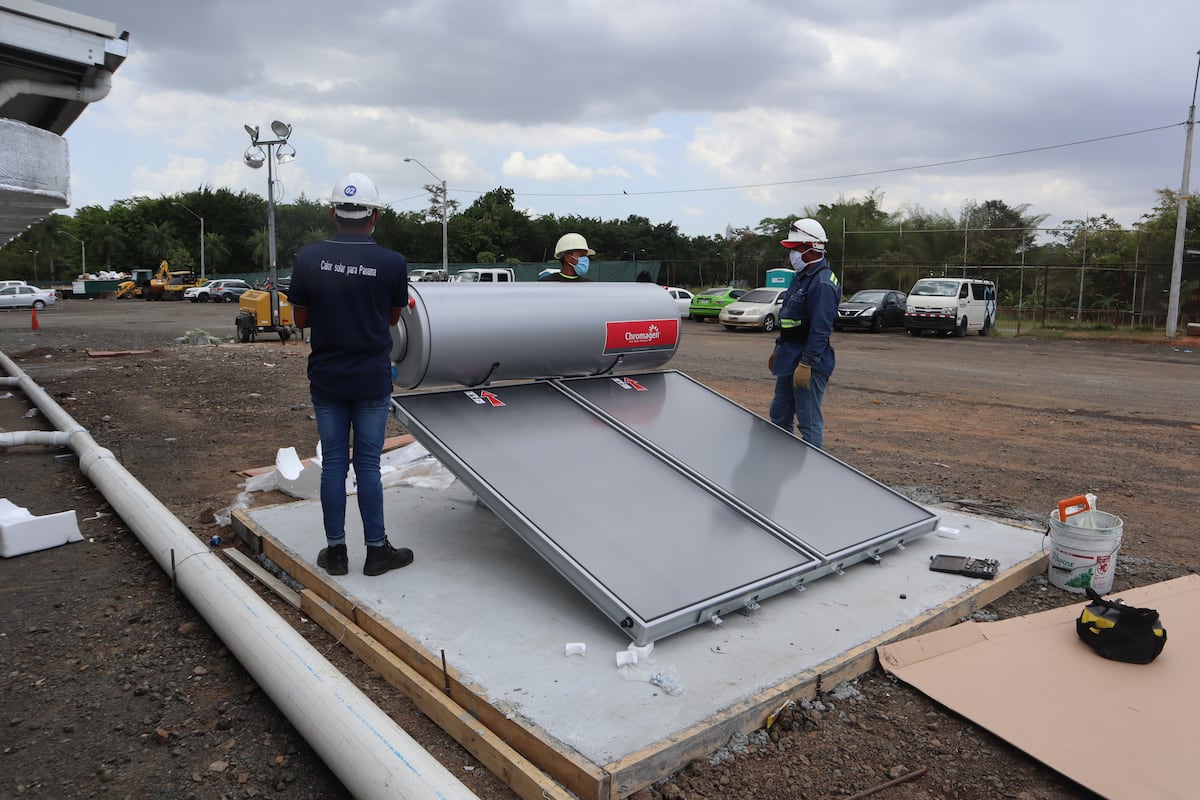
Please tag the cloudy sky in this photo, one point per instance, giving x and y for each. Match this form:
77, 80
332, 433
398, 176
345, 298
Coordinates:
703, 113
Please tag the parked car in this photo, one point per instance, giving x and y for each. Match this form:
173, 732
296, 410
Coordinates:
225, 290
708, 304
873, 309
197, 294
211, 290
683, 299
951, 305
487, 275
26, 297
757, 308
426, 275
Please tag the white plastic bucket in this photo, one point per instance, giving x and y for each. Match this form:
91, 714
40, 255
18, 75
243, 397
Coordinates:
1083, 550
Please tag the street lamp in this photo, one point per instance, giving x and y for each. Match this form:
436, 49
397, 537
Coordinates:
35, 252
445, 213
1181, 217
82, 252
197, 216
254, 158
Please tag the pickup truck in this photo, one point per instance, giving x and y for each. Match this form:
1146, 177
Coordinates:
487, 275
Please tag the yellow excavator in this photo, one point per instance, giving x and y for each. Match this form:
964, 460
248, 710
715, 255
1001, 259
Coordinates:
168, 284
179, 281
139, 283
150, 286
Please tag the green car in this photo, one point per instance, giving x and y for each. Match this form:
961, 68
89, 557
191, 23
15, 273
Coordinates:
708, 304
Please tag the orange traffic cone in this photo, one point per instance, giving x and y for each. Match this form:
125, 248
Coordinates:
35, 322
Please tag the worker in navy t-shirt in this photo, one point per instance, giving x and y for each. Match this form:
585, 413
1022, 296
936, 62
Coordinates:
572, 252
349, 291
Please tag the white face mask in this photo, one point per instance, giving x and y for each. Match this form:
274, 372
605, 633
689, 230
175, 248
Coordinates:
797, 260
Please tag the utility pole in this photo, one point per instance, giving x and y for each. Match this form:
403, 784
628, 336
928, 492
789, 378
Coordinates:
197, 216
1181, 223
445, 217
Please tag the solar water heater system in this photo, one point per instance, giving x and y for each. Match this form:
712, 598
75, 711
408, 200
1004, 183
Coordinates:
547, 401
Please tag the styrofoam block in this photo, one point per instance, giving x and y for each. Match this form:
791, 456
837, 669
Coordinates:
288, 463
22, 532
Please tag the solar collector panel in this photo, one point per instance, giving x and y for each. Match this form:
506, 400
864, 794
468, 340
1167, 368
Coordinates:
645, 542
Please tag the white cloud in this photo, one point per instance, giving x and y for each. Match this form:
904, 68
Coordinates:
656, 108
554, 167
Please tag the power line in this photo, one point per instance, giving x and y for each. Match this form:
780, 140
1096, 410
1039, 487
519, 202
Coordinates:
848, 174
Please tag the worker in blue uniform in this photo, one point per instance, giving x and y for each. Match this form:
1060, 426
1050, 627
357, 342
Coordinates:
803, 359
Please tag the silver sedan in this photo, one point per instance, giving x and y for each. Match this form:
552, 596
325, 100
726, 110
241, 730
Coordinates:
26, 297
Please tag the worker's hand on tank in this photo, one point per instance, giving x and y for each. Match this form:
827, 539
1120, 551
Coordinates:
802, 376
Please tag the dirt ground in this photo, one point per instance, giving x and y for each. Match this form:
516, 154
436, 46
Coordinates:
115, 687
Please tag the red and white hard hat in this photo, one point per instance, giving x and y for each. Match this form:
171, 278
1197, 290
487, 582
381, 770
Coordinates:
806, 231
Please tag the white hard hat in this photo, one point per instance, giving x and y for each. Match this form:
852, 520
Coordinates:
355, 196
806, 231
571, 241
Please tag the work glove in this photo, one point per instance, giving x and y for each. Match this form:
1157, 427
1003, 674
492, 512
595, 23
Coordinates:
802, 376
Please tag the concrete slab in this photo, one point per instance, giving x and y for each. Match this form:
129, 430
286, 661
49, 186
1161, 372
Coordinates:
503, 618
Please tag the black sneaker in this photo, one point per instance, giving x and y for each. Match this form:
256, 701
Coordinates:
386, 558
334, 560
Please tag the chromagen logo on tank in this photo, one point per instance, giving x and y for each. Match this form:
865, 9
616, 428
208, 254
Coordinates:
641, 335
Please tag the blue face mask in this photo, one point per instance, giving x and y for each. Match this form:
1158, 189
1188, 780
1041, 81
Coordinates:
581, 266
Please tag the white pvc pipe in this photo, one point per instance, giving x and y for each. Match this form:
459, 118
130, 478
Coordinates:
367, 750
17, 438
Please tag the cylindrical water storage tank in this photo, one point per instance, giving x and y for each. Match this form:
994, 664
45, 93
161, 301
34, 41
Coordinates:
475, 334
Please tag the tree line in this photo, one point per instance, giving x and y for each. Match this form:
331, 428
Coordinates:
867, 246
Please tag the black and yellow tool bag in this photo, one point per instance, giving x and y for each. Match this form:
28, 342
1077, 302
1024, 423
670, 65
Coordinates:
1119, 631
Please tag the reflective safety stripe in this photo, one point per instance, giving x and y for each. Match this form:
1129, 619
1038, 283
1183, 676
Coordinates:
795, 323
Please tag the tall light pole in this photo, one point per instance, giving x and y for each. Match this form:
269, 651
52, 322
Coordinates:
82, 252
1181, 223
445, 215
35, 252
197, 216
278, 151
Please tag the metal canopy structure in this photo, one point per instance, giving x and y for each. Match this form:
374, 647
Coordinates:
606, 479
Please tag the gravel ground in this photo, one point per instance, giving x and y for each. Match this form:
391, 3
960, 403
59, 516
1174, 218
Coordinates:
115, 687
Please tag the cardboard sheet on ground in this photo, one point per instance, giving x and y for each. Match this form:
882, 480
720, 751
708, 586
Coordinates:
1125, 731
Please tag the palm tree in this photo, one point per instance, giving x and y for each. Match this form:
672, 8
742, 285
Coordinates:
43, 236
216, 251
260, 247
106, 242
157, 240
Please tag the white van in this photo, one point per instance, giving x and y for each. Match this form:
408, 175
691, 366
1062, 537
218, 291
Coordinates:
951, 305
6, 284
487, 275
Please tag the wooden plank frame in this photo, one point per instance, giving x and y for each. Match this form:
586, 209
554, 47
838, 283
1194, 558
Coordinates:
526, 756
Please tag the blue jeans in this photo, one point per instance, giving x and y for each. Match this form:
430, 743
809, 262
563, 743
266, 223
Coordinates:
803, 404
368, 420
